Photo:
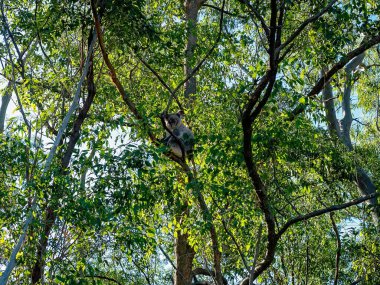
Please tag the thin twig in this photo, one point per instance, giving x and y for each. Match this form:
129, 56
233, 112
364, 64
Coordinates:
169, 259
162, 81
236, 244
104, 278
257, 15
305, 23
224, 11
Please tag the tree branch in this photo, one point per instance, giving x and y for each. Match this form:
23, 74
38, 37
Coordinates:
115, 80
206, 272
324, 211
236, 244
257, 15
328, 102
305, 23
162, 81
199, 65
5, 99
273, 238
104, 278
329, 74
258, 241
338, 250
224, 11
12, 260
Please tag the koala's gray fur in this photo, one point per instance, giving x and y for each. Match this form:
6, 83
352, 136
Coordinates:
174, 123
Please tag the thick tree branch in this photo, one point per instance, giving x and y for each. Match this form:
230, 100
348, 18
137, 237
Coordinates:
342, 130
5, 99
206, 272
255, 95
262, 199
330, 73
115, 80
247, 119
346, 121
268, 92
273, 240
272, 34
324, 211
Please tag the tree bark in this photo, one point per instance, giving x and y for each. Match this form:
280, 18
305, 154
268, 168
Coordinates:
5, 99
184, 253
191, 8
50, 213
328, 101
342, 130
184, 260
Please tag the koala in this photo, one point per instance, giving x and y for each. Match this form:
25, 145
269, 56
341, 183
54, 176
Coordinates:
174, 123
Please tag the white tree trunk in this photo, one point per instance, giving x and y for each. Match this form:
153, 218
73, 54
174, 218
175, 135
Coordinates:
5, 99
362, 180
74, 105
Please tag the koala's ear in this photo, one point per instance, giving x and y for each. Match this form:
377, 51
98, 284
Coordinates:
181, 113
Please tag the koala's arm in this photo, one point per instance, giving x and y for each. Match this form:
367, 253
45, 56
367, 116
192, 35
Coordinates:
166, 138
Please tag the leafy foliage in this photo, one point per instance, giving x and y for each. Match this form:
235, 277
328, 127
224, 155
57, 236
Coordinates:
119, 204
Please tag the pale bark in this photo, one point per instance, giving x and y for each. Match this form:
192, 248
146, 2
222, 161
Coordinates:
50, 213
328, 101
320, 84
85, 168
5, 99
74, 105
343, 128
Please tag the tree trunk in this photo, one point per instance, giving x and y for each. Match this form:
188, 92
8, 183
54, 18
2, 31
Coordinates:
38, 269
184, 258
191, 16
50, 216
5, 99
342, 130
184, 253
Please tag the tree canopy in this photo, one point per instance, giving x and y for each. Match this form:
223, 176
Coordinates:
282, 96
